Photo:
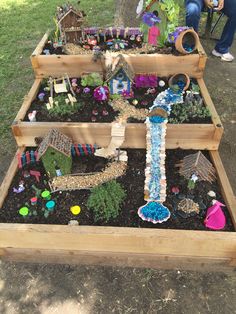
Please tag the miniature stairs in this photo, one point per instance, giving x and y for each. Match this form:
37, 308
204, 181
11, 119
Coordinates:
117, 139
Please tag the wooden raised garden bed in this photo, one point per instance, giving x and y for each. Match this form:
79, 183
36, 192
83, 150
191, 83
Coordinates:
74, 65
186, 136
121, 246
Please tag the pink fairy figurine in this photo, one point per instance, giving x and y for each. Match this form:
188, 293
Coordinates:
215, 218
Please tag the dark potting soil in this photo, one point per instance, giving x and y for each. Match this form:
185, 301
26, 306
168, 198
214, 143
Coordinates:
131, 46
89, 104
132, 182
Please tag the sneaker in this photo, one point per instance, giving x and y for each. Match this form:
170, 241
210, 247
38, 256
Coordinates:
224, 56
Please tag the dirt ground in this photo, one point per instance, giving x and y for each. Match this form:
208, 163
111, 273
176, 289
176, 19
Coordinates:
32, 289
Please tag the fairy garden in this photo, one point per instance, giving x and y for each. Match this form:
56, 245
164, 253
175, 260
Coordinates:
62, 182
101, 97
158, 32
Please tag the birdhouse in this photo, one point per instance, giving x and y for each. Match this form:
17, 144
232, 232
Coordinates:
120, 76
70, 23
150, 19
55, 153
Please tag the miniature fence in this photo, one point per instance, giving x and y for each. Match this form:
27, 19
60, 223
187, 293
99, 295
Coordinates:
82, 149
26, 158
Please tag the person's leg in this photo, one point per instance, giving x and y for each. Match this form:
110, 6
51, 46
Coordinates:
227, 36
193, 13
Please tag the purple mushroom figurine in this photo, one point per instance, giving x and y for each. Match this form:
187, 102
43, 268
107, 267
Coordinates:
101, 93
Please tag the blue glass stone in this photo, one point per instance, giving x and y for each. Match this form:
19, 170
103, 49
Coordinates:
154, 212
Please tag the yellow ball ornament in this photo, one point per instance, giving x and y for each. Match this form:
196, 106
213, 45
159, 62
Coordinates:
75, 210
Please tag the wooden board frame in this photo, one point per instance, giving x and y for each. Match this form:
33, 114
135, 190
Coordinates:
75, 65
186, 136
120, 246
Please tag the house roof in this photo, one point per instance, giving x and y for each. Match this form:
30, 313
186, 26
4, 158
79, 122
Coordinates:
56, 140
197, 164
148, 7
121, 64
71, 10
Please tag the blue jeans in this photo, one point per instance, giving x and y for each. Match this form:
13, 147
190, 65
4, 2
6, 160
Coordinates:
193, 14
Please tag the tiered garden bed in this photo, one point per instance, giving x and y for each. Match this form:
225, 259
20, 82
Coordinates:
186, 135
120, 245
75, 65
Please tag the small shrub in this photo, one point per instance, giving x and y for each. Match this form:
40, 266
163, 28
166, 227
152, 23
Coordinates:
62, 108
193, 107
105, 201
93, 79
191, 184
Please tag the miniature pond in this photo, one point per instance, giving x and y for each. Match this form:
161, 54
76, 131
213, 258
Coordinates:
132, 182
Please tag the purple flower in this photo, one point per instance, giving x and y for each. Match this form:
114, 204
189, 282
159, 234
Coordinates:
145, 81
101, 93
150, 19
86, 90
174, 35
41, 96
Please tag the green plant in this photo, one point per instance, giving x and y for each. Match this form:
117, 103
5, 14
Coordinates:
170, 17
115, 96
191, 184
92, 79
105, 201
193, 107
61, 108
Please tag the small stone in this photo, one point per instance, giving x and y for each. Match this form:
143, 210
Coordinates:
181, 196
162, 83
182, 214
202, 206
73, 223
211, 194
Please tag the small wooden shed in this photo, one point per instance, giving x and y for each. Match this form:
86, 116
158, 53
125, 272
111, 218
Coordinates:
70, 23
55, 153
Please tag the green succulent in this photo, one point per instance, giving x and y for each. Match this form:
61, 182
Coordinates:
105, 201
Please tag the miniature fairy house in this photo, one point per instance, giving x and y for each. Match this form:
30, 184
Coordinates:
197, 164
150, 19
120, 76
70, 23
55, 153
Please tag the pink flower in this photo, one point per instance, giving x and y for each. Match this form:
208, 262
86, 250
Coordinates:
175, 190
126, 94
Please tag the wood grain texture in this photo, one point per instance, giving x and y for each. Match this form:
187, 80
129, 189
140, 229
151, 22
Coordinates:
186, 136
139, 247
225, 185
9, 176
75, 65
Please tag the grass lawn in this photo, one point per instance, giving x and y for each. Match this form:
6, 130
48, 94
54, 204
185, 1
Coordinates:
22, 24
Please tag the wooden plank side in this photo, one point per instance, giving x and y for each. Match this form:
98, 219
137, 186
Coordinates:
75, 65
202, 58
118, 259
39, 49
226, 188
9, 177
186, 136
165, 65
59, 65
28, 99
119, 240
208, 101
